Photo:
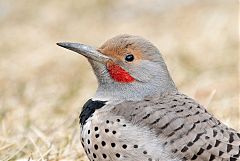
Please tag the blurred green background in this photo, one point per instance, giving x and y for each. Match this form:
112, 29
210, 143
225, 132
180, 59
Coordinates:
43, 87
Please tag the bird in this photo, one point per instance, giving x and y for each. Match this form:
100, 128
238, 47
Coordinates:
138, 114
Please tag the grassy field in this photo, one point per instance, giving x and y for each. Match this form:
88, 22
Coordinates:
43, 87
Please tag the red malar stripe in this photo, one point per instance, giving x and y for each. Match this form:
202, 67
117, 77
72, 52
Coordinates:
119, 74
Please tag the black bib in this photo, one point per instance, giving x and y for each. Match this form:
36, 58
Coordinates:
89, 108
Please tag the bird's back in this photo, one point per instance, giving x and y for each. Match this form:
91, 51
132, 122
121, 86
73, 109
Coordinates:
165, 127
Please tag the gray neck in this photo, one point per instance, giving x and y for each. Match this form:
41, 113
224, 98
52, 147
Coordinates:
133, 91
150, 82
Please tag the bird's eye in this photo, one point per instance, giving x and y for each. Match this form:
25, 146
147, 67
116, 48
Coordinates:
129, 58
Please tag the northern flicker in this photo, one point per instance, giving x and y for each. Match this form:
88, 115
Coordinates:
137, 113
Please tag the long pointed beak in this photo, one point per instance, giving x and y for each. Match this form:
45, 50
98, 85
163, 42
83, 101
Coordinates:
85, 50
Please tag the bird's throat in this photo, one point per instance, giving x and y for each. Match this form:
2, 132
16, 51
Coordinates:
118, 74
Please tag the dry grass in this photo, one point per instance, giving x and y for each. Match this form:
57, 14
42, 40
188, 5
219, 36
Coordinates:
43, 87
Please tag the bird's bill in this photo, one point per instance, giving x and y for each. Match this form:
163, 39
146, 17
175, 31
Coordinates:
85, 50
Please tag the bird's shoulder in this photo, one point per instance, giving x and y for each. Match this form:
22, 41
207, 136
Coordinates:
167, 104
189, 129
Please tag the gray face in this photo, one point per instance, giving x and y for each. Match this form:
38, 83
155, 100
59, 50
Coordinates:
140, 58
127, 68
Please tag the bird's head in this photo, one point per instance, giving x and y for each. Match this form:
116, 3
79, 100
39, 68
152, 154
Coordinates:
127, 67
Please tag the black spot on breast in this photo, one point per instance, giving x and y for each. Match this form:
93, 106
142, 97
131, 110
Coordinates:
124, 146
113, 145
89, 108
104, 156
118, 155
96, 147
103, 143
97, 135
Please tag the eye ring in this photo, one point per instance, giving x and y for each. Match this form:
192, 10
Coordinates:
129, 57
